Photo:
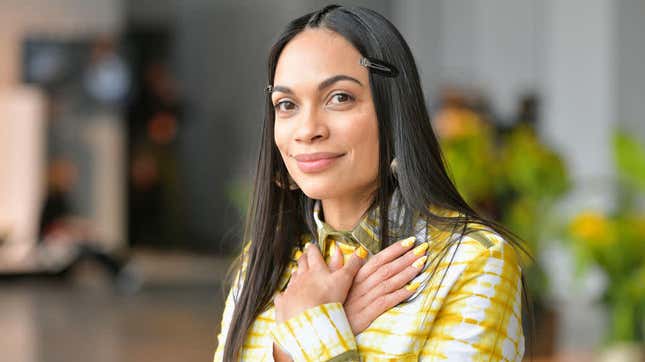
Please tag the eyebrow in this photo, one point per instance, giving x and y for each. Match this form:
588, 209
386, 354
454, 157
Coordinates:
324, 84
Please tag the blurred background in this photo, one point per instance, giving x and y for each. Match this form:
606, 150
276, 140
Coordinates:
129, 132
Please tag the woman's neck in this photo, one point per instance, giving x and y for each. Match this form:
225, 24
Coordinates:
344, 213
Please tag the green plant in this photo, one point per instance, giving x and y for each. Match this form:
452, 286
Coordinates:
615, 241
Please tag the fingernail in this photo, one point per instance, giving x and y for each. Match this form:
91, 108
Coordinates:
361, 252
420, 262
420, 249
412, 286
406, 243
298, 254
332, 248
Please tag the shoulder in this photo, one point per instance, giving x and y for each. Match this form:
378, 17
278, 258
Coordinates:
477, 248
485, 251
471, 242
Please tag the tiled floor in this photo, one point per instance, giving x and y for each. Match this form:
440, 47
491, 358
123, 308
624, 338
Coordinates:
55, 320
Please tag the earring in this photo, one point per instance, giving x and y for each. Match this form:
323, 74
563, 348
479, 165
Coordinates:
292, 184
394, 167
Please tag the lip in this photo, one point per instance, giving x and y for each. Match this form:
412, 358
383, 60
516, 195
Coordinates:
316, 162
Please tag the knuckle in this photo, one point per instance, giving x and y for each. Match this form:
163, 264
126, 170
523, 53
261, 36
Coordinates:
377, 259
385, 286
386, 271
346, 276
381, 303
352, 267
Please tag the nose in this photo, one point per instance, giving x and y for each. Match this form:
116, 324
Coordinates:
311, 128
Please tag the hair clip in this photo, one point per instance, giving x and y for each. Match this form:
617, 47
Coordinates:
268, 89
379, 66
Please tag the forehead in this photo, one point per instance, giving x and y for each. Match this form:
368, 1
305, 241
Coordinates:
315, 55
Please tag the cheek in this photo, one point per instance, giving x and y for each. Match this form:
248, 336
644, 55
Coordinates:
372, 145
364, 136
281, 138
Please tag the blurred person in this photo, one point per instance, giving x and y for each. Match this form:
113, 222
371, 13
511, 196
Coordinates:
359, 246
66, 238
56, 216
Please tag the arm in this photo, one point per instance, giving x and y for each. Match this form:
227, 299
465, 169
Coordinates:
318, 333
481, 316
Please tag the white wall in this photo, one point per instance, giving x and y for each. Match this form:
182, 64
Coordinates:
580, 84
19, 18
630, 23
22, 156
491, 45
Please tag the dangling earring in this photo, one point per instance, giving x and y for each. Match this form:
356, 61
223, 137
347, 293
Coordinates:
292, 184
394, 167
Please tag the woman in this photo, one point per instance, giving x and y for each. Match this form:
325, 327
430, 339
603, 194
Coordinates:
360, 246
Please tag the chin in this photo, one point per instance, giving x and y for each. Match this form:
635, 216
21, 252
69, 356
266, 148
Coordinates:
319, 190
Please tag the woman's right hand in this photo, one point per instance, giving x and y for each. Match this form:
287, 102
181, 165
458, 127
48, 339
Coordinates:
382, 282
314, 283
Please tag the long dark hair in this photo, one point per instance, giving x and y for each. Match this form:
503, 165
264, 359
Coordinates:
278, 216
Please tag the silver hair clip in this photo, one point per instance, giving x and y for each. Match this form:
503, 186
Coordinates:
268, 89
379, 66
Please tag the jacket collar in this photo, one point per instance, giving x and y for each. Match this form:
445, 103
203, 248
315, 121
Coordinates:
365, 233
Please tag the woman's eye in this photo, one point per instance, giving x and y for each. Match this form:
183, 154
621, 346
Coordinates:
284, 106
340, 98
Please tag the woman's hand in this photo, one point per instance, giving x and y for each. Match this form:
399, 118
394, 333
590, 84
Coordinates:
382, 282
313, 283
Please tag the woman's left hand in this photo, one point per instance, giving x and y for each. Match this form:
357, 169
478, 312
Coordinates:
313, 283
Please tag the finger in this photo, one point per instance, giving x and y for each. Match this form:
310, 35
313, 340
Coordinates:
294, 271
303, 263
385, 256
396, 282
381, 276
354, 263
277, 299
314, 257
379, 306
336, 257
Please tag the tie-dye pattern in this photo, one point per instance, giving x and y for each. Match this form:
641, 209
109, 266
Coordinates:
469, 310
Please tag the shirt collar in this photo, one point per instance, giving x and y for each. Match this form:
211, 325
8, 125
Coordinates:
365, 233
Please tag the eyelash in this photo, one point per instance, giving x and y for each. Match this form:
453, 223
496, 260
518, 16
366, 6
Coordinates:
350, 98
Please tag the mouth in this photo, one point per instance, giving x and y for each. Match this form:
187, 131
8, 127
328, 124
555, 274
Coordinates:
316, 162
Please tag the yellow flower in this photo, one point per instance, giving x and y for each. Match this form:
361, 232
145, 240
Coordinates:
593, 228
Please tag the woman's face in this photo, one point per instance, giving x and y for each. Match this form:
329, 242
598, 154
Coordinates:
325, 123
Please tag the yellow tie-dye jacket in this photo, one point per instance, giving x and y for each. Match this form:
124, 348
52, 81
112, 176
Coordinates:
468, 307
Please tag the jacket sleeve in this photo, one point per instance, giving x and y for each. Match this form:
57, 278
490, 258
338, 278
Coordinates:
229, 306
321, 333
481, 316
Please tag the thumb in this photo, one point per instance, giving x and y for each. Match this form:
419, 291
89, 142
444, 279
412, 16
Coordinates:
336, 257
355, 261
